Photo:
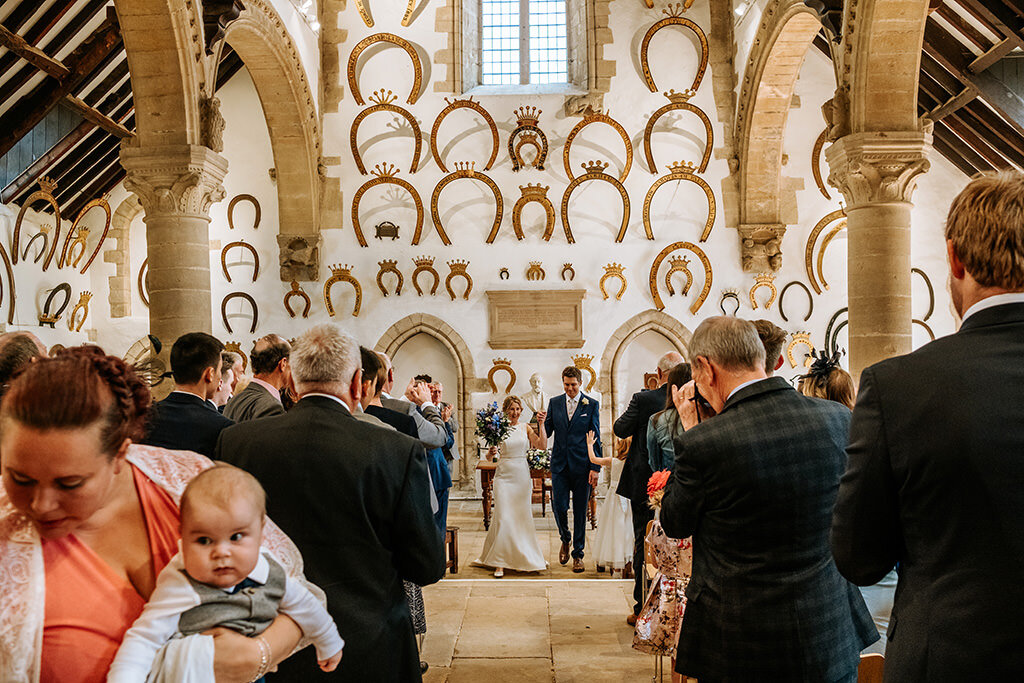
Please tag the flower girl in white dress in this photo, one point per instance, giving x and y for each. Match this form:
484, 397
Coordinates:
511, 541
613, 543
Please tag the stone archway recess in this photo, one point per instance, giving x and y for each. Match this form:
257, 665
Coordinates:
422, 323
767, 204
268, 51
120, 256
649, 321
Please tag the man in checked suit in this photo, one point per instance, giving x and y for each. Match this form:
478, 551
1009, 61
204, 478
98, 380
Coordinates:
570, 416
935, 481
755, 486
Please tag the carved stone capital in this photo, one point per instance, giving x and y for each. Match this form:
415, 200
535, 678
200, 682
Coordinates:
871, 168
300, 257
176, 179
761, 246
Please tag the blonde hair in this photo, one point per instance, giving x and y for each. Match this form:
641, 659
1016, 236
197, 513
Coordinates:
509, 400
836, 386
986, 227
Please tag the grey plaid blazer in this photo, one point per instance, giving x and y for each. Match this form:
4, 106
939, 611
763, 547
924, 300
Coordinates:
755, 487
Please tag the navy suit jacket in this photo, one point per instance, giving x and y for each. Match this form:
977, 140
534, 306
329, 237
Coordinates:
185, 422
569, 447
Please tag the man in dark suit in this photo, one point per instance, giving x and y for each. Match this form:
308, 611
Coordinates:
262, 396
354, 499
416, 404
755, 486
637, 469
186, 420
935, 480
570, 416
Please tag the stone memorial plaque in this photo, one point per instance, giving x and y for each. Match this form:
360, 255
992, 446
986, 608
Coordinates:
536, 319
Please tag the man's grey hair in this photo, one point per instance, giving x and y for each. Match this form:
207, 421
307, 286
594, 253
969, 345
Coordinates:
669, 361
730, 342
324, 355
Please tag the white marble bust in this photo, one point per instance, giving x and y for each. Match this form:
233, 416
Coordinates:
536, 400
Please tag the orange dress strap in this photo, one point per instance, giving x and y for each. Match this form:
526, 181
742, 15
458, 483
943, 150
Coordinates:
88, 605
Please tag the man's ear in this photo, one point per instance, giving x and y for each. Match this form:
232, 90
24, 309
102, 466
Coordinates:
956, 266
355, 389
211, 375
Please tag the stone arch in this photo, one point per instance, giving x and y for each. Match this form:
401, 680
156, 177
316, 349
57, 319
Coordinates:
649, 321
422, 323
120, 255
269, 53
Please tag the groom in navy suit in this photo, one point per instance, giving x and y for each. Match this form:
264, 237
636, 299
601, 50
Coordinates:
570, 417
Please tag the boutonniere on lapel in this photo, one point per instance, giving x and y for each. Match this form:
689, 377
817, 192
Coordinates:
585, 401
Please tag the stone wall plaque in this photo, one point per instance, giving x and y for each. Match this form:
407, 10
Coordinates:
531, 319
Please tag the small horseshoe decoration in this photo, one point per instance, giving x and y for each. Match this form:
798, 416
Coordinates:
812, 239
763, 280
244, 198
810, 300
674, 18
384, 102
678, 102
613, 270
926, 328
48, 318
678, 265
103, 204
819, 144
567, 268
143, 285
297, 291
582, 362
821, 252
503, 274
501, 364
46, 241
526, 120
235, 347
353, 59
468, 103
224, 310
385, 175
458, 269
931, 294
82, 305
681, 171
829, 346
340, 273
243, 245
595, 171
425, 264
590, 116
798, 339
539, 194
705, 261
388, 266
729, 295
76, 239
463, 170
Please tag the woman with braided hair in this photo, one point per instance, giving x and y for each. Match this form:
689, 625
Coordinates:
88, 518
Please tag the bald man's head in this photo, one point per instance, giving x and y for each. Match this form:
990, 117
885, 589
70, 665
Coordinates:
267, 354
667, 362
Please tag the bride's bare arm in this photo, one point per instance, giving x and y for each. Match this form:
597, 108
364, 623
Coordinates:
539, 438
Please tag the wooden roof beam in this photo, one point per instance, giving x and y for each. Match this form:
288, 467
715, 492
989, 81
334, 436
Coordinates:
95, 116
980, 40
958, 154
998, 17
37, 31
33, 55
955, 103
998, 51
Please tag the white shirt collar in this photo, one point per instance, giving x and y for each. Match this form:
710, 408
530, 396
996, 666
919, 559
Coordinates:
745, 384
259, 573
333, 398
994, 300
271, 389
188, 393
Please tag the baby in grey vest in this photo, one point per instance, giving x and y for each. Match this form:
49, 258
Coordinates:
220, 578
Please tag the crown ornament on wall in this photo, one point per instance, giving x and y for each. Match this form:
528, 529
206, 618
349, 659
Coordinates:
501, 361
45, 229
47, 184
614, 269
595, 166
764, 279
679, 262
681, 167
591, 114
528, 116
677, 9
424, 261
582, 360
465, 166
382, 97
387, 263
338, 270
455, 100
458, 265
384, 170
537, 190
679, 97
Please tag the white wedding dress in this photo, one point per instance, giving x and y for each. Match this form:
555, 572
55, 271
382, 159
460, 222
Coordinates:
511, 541
613, 542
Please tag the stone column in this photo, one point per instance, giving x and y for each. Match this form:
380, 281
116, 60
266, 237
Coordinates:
877, 174
176, 186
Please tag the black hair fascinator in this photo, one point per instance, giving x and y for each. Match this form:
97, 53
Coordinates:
823, 365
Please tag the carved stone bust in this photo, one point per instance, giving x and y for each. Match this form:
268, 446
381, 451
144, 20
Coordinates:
536, 400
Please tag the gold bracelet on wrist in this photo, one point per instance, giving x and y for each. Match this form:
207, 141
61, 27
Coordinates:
265, 654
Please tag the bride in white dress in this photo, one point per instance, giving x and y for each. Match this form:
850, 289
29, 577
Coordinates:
511, 541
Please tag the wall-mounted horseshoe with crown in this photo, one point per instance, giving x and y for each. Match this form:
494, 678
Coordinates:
468, 103
534, 193
425, 264
678, 264
75, 241
340, 273
681, 170
501, 364
43, 194
384, 174
613, 270
44, 235
590, 116
383, 100
583, 362
729, 295
243, 245
708, 275
763, 280
595, 171
528, 133
679, 102
101, 203
673, 16
535, 272
235, 347
457, 268
353, 59
798, 339
296, 290
224, 310
463, 170
75, 324
389, 266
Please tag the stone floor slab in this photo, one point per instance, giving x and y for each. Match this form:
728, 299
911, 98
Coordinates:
504, 627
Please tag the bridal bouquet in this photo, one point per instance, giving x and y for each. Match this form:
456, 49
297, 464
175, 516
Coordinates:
492, 425
656, 488
538, 459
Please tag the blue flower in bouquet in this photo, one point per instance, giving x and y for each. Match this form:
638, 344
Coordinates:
538, 459
492, 425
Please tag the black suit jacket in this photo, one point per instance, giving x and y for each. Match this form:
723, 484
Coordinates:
252, 403
633, 422
755, 487
185, 422
935, 483
354, 499
400, 421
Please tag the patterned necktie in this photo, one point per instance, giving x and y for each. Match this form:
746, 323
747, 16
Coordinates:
245, 583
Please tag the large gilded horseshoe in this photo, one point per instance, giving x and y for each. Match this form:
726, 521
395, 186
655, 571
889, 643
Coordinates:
364, 13
44, 193
389, 266
812, 239
341, 273
463, 170
595, 171
384, 103
243, 245
464, 104
679, 103
501, 364
819, 144
244, 198
425, 264
681, 171
699, 253
224, 310
931, 293
103, 204
83, 305
539, 194
590, 116
143, 284
821, 253
678, 21
353, 58
798, 339
385, 175
10, 279
810, 300
613, 270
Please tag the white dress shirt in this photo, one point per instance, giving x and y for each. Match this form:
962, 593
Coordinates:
995, 300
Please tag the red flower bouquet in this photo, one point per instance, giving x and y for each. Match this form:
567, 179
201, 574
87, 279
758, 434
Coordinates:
656, 487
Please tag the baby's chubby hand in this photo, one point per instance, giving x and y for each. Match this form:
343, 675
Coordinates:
331, 663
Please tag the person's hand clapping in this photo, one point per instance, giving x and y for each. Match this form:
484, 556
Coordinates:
417, 392
331, 663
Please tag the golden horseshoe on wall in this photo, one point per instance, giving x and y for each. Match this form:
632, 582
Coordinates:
590, 116
819, 144
143, 284
389, 266
613, 270
385, 175
534, 193
567, 268
384, 102
699, 253
48, 318
501, 364
244, 198
235, 347
468, 103
527, 120
44, 193
76, 239
243, 245
673, 16
425, 264
595, 171
812, 238
810, 300
821, 252
364, 13
353, 58
224, 310
800, 338
457, 268
102, 203
582, 362
340, 273
681, 171
82, 305
678, 102
297, 291
678, 265
763, 280
463, 170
